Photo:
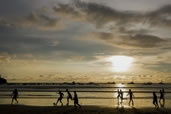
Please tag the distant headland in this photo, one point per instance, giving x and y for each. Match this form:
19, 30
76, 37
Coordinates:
2, 80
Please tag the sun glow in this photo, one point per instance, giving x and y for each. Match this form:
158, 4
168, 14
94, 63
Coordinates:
120, 63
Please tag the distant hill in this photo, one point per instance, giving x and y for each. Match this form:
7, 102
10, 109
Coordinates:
2, 80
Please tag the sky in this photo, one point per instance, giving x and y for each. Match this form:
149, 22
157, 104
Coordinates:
77, 40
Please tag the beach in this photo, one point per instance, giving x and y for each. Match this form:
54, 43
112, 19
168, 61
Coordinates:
94, 99
24, 109
103, 95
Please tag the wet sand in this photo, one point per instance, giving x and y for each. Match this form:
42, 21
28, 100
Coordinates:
24, 109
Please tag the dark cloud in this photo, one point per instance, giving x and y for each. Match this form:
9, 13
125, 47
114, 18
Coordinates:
36, 20
99, 14
135, 41
142, 41
66, 10
162, 11
40, 20
52, 46
124, 32
124, 23
4, 24
94, 13
161, 17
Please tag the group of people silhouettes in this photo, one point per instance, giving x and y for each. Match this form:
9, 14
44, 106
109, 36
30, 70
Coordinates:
69, 97
161, 99
61, 95
120, 98
131, 95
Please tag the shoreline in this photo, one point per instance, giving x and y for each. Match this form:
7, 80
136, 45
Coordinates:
82, 83
26, 109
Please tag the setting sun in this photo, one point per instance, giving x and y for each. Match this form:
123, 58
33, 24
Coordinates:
120, 63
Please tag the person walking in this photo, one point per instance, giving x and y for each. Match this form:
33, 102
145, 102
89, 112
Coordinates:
76, 102
69, 97
162, 97
14, 96
121, 97
131, 95
155, 101
118, 96
60, 98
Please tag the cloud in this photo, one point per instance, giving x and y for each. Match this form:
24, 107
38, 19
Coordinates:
126, 29
42, 21
92, 13
33, 20
128, 41
53, 43
164, 57
4, 23
160, 17
77, 58
142, 41
101, 15
66, 10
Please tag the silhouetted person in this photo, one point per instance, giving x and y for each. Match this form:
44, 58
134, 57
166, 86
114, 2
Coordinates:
69, 96
131, 95
121, 96
118, 96
60, 98
162, 97
76, 103
14, 96
155, 101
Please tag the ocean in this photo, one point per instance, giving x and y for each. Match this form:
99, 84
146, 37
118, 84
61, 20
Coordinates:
96, 94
